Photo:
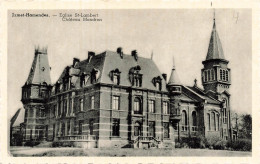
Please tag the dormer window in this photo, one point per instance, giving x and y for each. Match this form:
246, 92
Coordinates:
94, 75
157, 82
115, 76
135, 76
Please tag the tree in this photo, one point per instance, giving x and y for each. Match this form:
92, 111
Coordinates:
245, 127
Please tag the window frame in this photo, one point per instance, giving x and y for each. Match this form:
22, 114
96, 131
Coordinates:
115, 102
151, 106
166, 107
116, 127
137, 105
166, 130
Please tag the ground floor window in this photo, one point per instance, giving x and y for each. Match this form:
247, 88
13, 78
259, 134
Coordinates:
80, 126
166, 130
91, 127
137, 129
115, 127
151, 128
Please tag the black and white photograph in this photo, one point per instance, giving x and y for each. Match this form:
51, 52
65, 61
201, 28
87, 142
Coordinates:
129, 82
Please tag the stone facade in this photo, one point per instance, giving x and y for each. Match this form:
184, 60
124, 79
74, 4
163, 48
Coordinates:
117, 100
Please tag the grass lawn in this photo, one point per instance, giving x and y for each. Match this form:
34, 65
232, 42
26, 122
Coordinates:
116, 152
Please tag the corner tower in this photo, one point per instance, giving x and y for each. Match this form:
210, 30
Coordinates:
175, 89
215, 74
34, 95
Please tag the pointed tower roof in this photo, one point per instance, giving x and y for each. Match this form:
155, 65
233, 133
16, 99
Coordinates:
40, 70
174, 78
215, 50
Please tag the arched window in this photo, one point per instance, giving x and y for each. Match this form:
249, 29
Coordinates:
137, 129
194, 121
194, 118
217, 122
225, 111
208, 119
213, 118
184, 121
137, 106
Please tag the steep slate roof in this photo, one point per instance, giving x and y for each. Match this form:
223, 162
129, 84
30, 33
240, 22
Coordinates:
215, 50
40, 70
148, 69
199, 92
109, 61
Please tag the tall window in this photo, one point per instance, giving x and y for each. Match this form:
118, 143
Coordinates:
115, 103
165, 108
184, 121
217, 122
208, 118
92, 102
81, 104
63, 129
91, 127
206, 76
227, 76
151, 128
166, 130
212, 75
221, 74
137, 106
194, 118
64, 107
225, 111
213, 121
68, 127
151, 106
137, 129
115, 127
80, 126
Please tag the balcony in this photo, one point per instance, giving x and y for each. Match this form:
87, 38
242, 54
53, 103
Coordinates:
78, 138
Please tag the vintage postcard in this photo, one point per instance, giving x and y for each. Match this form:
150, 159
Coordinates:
164, 82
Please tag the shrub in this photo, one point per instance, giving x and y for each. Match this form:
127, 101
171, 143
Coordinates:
240, 145
220, 145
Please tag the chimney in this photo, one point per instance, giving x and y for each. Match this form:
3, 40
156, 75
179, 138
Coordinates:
120, 51
75, 61
135, 54
90, 55
164, 75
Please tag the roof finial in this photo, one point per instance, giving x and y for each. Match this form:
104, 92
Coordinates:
195, 82
152, 55
214, 16
173, 65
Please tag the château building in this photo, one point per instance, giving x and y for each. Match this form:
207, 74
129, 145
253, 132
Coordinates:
113, 99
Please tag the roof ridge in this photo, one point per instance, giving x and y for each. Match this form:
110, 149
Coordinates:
193, 92
188, 96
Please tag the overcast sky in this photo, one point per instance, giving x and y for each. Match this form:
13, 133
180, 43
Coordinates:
182, 33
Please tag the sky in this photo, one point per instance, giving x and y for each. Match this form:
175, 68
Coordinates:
180, 33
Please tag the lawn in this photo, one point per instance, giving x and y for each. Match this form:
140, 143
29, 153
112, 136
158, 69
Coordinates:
117, 152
